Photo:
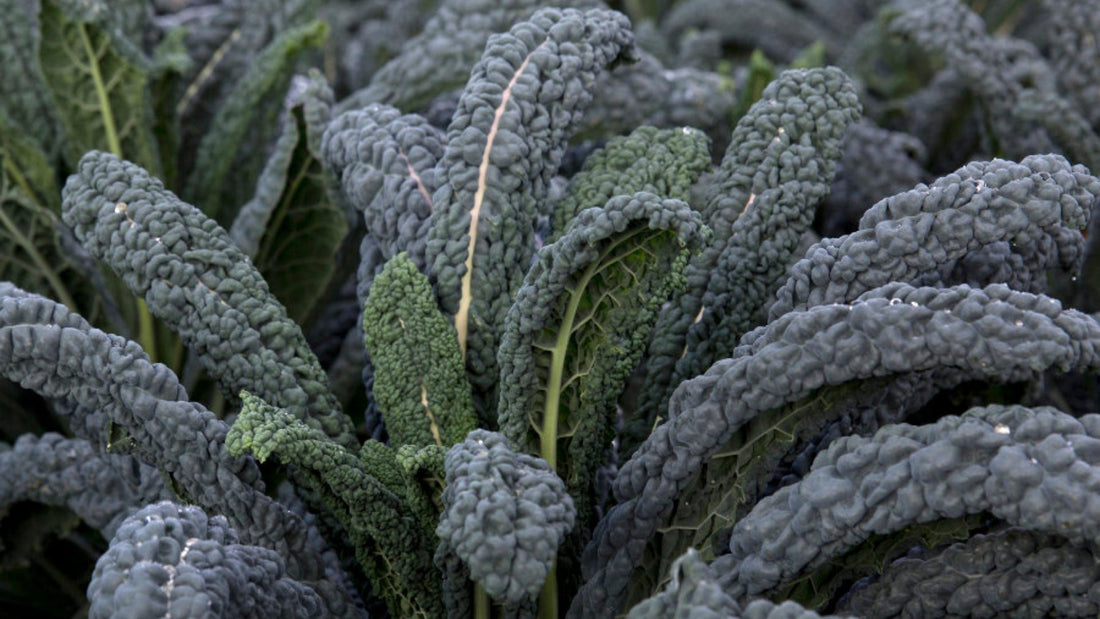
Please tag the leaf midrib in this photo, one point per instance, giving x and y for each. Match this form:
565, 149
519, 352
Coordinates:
548, 434
462, 316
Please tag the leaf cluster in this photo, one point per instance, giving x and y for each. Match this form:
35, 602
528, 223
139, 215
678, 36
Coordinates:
470, 308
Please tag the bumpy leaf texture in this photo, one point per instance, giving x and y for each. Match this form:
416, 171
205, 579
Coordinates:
419, 380
664, 162
992, 333
195, 279
505, 515
439, 58
579, 327
695, 593
909, 235
174, 560
53, 351
386, 164
760, 200
1015, 83
1014, 571
648, 93
101, 489
876, 164
1075, 52
522, 103
388, 543
1032, 468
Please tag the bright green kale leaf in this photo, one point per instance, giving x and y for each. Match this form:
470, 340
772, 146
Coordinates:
293, 226
195, 279
98, 83
422, 471
521, 104
220, 151
419, 381
380, 460
388, 542
580, 324
665, 162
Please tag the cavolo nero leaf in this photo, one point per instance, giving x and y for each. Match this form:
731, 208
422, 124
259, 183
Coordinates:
24, 98
220, 150
387, 539
98, 83
579, 326
292, 227
419, 380
29, 206
506, 139
817, 587
731, 482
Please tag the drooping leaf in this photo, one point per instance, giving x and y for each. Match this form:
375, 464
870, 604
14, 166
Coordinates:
387, 540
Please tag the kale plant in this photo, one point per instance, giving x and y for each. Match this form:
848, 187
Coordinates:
510, 309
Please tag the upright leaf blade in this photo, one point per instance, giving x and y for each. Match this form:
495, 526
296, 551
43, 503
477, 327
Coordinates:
292, 227
23, 95
221, 148
29, 207
99, 89
199, 282
419, 380
579, 326
505, 142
